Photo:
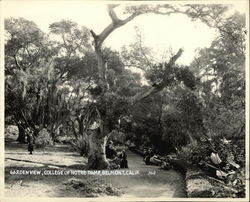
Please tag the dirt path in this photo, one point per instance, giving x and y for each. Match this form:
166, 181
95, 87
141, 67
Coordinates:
150, 182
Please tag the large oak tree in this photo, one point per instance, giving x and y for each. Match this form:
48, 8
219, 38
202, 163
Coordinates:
208, 14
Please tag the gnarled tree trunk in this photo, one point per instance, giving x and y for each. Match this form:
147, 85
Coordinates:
97, 155
21, 134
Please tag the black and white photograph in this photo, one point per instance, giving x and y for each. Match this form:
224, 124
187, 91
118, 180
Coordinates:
125, 100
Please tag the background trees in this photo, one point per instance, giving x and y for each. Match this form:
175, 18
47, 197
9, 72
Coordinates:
221, 68
26, 53
37, 85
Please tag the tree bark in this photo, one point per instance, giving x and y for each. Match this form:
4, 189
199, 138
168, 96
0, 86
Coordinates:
97, 155
21, 134
73, 128
80, 126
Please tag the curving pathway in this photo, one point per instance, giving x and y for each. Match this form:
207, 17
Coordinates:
150, 182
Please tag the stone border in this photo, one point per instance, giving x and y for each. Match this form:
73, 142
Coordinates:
197, 186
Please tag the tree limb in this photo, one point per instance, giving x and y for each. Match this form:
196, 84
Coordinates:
112, 14
17, 64
116, 22
154, 89
93, 34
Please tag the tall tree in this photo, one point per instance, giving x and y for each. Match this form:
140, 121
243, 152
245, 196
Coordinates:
25, 49
97, 158
34, 87
222, 71
73, 44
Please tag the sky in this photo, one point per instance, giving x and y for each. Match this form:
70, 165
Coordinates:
159, 32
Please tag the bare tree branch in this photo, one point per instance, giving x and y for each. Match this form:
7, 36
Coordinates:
174, 58
112, 14
116, 22
154, 89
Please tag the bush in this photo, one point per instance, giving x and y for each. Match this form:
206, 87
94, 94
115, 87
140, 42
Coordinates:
43, 138
92, 187
81, 145
11, 130
227, 163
